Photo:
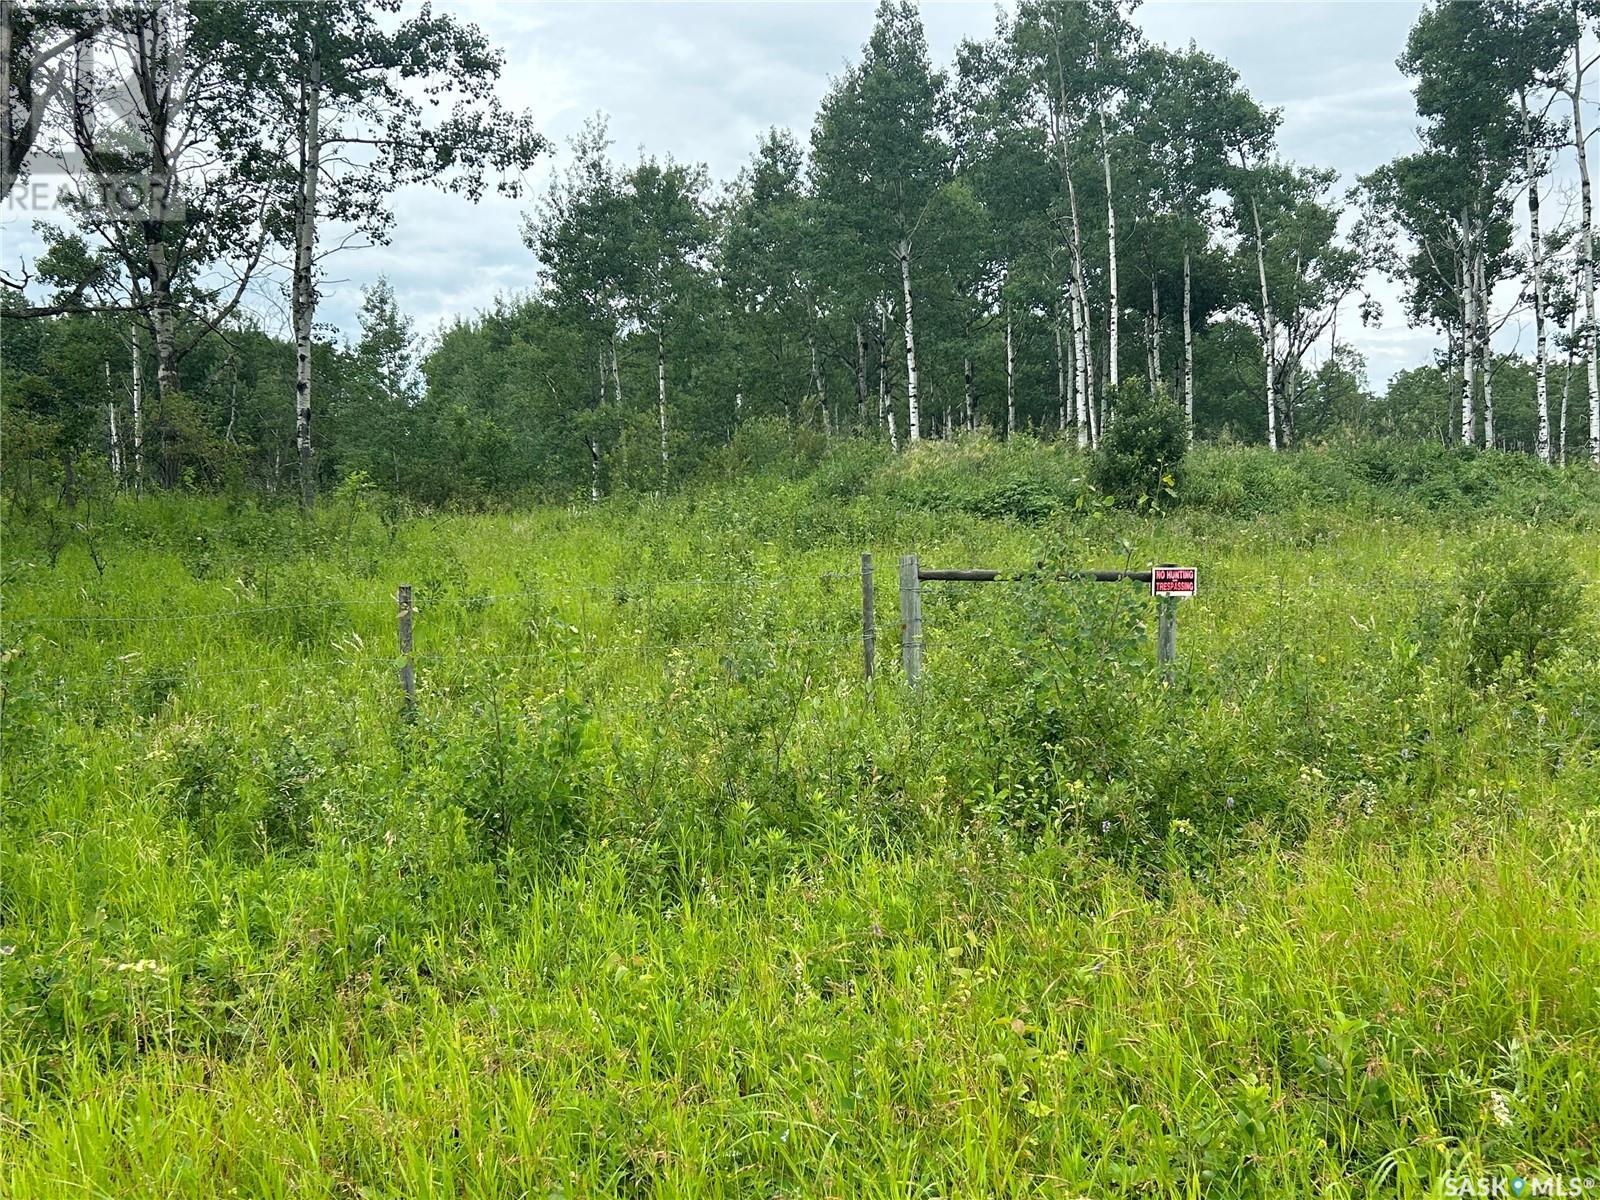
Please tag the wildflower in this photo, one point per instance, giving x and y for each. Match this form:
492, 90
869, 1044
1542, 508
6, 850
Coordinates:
1501, 1108
1105, 826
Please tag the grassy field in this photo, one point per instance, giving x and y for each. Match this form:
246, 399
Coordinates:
656, 897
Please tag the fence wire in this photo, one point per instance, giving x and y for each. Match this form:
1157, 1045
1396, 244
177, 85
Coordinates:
1239, 634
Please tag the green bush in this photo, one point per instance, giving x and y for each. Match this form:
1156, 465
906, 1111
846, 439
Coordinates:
1140, 457
1517, 606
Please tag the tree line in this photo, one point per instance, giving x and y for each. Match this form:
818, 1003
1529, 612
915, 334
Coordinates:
1064, 216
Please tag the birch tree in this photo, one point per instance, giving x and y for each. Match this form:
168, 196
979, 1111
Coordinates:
880, 163
1189, 109
668, 231
579, 233
343, 81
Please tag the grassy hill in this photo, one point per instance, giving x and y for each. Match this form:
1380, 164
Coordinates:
656, 896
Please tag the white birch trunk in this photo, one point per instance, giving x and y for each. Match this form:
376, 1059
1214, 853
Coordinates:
1536, 264
1079, 392
303, 302
913, 401
661, 400
1061, 381
111, 418
884, 406
1084, 341
1188, 346
1269, 346
1114, 304
1590, 342
1469, 342
136, 396
1155, 331
1566, 382
1486, 350
1011, 378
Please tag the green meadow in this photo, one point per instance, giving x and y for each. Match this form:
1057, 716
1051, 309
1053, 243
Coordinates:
654, 894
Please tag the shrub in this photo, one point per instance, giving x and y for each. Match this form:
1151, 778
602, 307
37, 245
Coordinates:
1517, 606
1140, 457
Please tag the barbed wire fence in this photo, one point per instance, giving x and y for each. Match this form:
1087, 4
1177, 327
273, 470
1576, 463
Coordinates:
1290, 619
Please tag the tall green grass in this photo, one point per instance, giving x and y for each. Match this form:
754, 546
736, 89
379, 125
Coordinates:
657, 897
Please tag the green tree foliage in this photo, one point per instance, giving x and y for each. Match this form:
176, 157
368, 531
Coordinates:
988, 247
1139, 462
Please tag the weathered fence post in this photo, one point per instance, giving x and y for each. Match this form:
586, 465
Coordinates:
1166, 634
408, 674
869, 629
910, 618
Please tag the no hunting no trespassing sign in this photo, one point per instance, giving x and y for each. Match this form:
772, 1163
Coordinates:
1173, 583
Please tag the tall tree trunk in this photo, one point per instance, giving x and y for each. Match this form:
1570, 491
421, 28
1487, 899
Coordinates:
111, 417
913, 400
594, 470
1469, 339
136, 396
1114, 301
1536, 265
303, 301
968, 393
1061, 379
861, 379
1084, 341
885, 402
1155, 331
1011, 378
616, 377
1486, 350
661, 400
1269, 338
1188, 345
1080, 404
1591, 343
1566, 382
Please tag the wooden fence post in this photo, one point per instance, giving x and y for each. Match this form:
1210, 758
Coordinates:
910, 618
869, 629
1166, 634
408, 674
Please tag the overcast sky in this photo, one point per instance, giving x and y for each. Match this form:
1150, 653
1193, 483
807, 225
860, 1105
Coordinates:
701, 81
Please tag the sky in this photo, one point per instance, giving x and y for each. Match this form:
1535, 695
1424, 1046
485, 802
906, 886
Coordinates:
702, 81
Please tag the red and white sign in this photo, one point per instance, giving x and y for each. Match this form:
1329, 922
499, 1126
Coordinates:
1173, 582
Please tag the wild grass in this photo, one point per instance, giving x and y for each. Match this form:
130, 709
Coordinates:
655, 897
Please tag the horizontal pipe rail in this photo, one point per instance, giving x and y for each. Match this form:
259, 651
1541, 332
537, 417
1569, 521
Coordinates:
957, 575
